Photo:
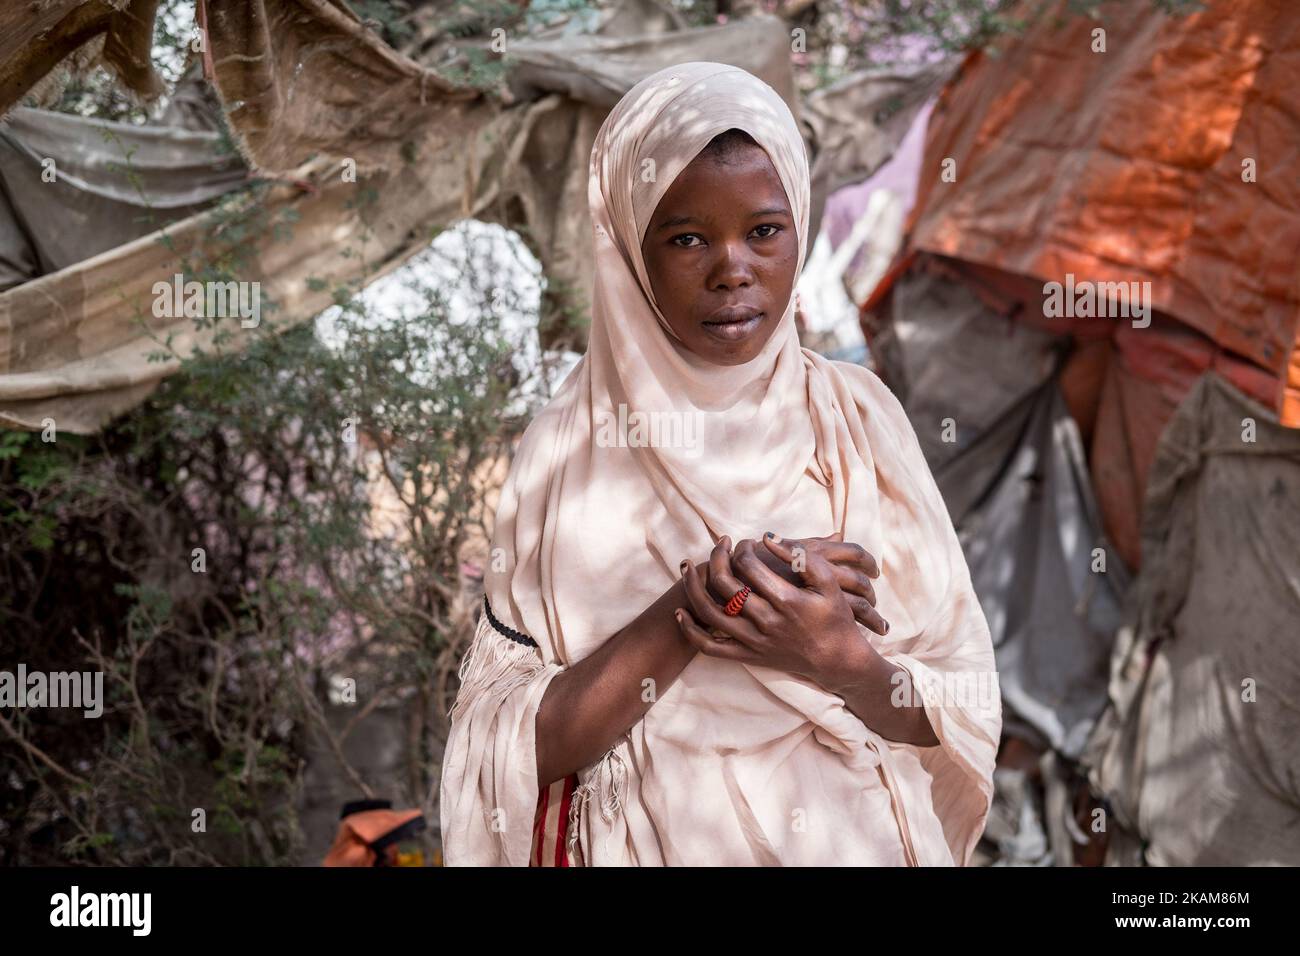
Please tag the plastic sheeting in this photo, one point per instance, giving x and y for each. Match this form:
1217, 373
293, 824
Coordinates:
87, 202
1120, 383
71, 342
298, 77
1010, 463
1198, 753
1049, 583
1148, 373
1169, 158
871, 215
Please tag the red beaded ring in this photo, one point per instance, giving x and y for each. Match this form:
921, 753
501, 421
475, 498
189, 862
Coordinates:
737, 602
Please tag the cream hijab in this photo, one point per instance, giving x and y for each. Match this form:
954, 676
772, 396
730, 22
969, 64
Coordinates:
589, 532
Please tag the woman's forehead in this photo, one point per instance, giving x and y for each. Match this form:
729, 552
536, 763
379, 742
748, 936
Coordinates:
660, 127
752, 167
745, 178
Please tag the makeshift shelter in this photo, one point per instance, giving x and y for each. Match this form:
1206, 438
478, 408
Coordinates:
71, 187
1158, 151
1198, 755
308, 92
984, 395
1164, 159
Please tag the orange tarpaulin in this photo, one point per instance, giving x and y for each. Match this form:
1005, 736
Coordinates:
1135, 148
1168, 158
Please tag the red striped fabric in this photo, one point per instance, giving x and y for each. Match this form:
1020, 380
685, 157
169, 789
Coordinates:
550, 834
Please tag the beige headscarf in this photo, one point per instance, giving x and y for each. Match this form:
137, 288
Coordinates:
732, 764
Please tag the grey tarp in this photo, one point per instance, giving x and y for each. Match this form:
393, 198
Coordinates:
1015, 479
1198, 753
299, 77
93, 204
1029, 543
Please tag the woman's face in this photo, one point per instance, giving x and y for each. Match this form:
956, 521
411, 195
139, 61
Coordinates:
721, 253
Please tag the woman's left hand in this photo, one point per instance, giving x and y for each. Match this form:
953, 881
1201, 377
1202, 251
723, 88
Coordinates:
808, 631
853, 566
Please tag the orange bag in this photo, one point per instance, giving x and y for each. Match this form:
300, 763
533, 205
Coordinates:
371, 834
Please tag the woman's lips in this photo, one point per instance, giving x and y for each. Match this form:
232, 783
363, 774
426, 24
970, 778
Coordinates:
733, 324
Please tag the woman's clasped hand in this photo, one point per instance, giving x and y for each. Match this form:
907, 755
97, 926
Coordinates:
806, 598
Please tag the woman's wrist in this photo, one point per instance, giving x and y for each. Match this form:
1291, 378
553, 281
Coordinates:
859, 666
680, 599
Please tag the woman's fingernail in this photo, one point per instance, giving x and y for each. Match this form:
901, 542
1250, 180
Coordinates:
678, 615
886, 627
682, 567
774, 537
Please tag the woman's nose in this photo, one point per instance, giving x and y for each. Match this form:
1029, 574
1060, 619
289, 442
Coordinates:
732, 269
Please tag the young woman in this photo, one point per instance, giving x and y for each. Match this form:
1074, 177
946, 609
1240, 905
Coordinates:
679, 687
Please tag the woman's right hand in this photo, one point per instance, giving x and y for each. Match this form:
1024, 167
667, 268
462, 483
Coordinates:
854, 568
805, 629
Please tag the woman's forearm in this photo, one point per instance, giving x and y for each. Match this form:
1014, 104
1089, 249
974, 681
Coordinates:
865, 683
587, 707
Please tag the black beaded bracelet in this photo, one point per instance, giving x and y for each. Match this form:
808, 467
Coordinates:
517, 636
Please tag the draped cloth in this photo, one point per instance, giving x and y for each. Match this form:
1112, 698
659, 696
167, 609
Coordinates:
732, 764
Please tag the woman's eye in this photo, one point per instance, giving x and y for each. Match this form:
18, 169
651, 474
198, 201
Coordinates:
686, 240
773, 230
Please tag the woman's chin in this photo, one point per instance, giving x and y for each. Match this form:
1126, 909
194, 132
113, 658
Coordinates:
732, 344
